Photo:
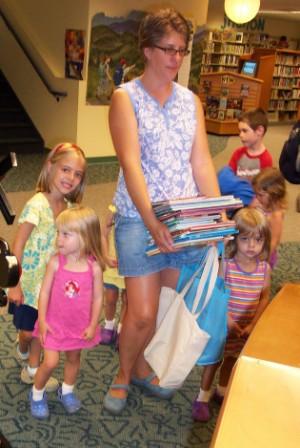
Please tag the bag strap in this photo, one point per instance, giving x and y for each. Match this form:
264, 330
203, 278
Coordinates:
190, 282
210, 272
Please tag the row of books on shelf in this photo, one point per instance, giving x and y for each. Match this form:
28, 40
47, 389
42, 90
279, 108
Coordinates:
287, 59
283, 82
293, 94
283, 70
282, 104
226, 59
195, 221
219, 47
217, 68
225, 36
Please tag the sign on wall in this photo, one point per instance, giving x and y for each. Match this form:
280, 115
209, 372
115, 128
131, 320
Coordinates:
74, 53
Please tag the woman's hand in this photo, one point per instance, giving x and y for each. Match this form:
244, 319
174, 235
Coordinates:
162, 237
15, 295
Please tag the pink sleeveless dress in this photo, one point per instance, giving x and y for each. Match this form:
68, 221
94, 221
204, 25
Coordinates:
69, 309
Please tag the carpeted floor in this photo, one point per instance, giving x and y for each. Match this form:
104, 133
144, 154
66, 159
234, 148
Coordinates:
147, 422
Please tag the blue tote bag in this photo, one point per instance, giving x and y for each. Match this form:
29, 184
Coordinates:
212, 308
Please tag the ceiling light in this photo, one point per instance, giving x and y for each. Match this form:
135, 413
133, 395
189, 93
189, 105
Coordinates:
241, 11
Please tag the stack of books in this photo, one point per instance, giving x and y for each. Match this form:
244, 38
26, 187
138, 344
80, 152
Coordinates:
196, 220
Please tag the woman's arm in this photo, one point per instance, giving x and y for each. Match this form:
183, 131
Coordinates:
124, 132
203, 168
44, 297
89, 332
24, 230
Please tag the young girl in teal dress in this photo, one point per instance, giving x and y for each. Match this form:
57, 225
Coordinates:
61, 182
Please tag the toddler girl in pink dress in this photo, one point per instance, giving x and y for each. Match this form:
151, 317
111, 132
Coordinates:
69, 305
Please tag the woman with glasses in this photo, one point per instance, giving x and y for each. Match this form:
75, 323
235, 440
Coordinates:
158, 131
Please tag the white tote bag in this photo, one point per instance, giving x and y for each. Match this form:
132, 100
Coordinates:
178, 341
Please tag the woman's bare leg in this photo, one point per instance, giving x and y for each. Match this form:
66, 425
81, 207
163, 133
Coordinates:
168, 277
137, 327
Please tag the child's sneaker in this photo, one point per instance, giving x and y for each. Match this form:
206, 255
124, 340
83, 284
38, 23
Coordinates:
39, 409
200, 412
22, 356
107, 337
69, 401
51, 385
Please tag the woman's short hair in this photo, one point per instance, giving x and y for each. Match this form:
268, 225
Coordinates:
157, 24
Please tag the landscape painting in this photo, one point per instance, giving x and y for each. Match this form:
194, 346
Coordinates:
114, 55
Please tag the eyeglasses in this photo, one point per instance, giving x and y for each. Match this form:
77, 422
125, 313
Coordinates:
170, 51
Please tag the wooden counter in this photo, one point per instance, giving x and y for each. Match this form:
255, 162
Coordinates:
262, 405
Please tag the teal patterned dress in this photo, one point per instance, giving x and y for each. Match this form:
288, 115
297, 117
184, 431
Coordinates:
38, 248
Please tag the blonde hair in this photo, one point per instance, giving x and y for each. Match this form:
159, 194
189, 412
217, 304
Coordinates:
272, 182
85, 222
58, 153
250, 221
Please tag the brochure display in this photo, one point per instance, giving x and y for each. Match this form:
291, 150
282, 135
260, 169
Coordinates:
225, 95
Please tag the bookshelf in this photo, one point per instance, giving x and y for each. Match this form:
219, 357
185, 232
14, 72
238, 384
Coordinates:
221, 51
281, 83
224, 96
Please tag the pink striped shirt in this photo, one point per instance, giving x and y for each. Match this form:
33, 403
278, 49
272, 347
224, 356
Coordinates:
245, 290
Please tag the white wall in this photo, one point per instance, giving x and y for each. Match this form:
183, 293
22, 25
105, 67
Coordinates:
93, 131
42, 25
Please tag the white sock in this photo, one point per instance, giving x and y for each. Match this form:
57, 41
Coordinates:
119, 327
204, 395
32, 370
37, 394
67, 388
109, 324
221, 390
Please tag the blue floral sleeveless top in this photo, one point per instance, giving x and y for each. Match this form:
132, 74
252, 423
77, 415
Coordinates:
166, 135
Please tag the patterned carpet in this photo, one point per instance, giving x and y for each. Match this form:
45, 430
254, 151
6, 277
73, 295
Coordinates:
147, 422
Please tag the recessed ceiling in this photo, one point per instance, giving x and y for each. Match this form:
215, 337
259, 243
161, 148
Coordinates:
281, 9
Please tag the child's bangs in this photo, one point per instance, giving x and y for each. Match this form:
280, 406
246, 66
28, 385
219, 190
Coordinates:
67, 222
252, 224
